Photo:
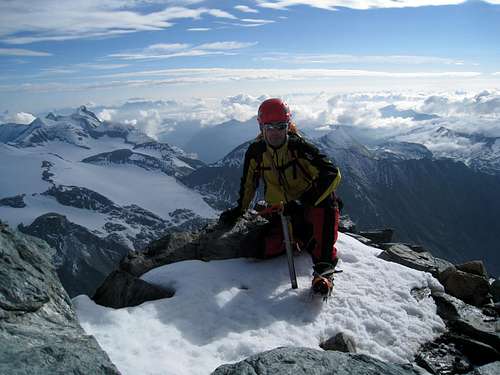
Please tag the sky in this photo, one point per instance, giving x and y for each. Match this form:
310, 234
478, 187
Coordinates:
247, 306
57, 54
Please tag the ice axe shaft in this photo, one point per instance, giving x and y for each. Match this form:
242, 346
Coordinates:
285, 224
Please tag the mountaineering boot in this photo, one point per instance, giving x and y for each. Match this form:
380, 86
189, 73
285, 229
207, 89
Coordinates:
322, 283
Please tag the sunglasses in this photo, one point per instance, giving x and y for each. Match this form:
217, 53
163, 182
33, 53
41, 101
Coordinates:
276, 126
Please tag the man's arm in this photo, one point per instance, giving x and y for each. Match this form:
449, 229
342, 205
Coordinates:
327, 174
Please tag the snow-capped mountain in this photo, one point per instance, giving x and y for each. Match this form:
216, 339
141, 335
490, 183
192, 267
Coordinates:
478, 151
228, 135
108, 178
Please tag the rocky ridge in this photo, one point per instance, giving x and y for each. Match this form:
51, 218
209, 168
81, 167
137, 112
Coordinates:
39, 331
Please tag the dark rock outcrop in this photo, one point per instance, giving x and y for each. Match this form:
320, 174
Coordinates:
378, 236
298, 361
14, 202
468, 287
475, 267
127, 290
213, 242
39, 332
495, 290
422, 261
490, 369
464, 319
82, 259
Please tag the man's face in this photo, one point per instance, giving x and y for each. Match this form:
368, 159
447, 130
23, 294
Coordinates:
275, 134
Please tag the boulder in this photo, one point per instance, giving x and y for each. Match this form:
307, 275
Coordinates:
121, 289
378, 236
341, 342
489, 369
495, 290
470, 288
476, 267
422, 261
39, 331
213, 242
466, 320
281, 361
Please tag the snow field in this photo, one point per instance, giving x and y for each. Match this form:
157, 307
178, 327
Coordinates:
225, 311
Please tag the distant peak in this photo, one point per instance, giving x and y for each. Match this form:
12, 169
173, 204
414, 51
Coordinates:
84, 112
51, 116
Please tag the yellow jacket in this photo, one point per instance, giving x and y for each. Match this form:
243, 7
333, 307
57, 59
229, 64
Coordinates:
296, 170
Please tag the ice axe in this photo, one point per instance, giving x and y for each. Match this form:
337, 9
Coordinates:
285, 224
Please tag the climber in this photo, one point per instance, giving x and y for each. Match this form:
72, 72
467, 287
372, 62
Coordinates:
296, 173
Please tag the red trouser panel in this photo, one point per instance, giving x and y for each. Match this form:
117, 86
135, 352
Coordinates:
325, 224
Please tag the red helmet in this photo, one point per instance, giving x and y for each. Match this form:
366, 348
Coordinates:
273, 110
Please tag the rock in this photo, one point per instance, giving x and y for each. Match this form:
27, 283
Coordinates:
281, 361
360, 238
14, 202
468, 287
475, 267
489, 369
341, 342
422, 261
466, 320
442, 357
39, 331
83, 260
479, 353
495, 290
347, 225
213, 242
121, 289
378, 236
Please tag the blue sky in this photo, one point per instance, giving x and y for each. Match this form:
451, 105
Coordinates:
57, 53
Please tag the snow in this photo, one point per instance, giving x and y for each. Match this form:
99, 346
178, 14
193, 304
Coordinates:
129, 184
37, 205
225, 311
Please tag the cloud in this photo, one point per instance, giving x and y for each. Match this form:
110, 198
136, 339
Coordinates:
53, 20
22, 52
359, 4
199, 29
225, 45
245, 9
168, 51
357, 59
16, 118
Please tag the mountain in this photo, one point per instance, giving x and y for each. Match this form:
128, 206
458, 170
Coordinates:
227, 136
9, 132
109, 180
393, 111
477, 151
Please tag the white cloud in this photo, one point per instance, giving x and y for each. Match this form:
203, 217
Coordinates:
359, 4
225, 45
106, 114
22, 52
53, 20
256, 21
199, 29
245, 9
168, 51
17, 118
358, 59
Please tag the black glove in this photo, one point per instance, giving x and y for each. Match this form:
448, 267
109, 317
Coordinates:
293, 208
230, 216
